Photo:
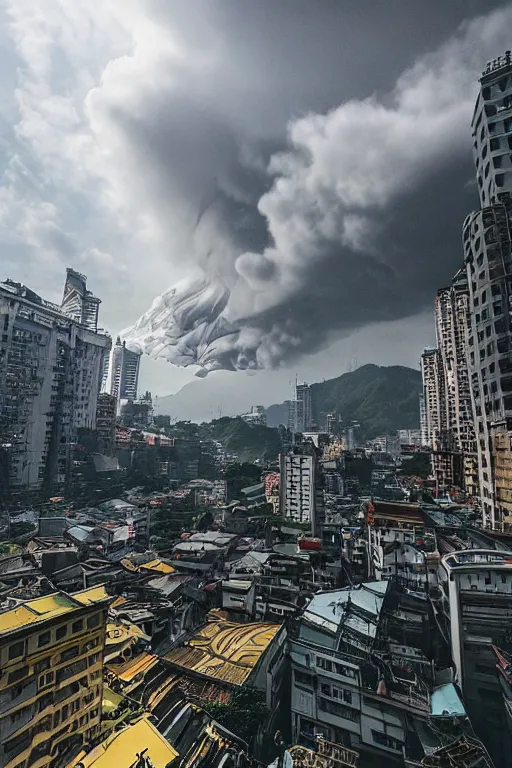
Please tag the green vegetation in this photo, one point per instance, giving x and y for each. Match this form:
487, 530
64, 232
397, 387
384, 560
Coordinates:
240, 476
249, 443
381, 399
243, 714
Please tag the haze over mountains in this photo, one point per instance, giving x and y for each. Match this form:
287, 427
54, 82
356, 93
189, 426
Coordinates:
381, 398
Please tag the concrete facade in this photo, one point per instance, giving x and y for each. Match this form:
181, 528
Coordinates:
50, 379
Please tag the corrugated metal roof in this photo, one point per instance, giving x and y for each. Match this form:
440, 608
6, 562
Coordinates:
121, 749
329, 609
224, 650
133, 667
43, 608
158, 565
117, 633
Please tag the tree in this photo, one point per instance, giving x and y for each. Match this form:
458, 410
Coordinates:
243, 714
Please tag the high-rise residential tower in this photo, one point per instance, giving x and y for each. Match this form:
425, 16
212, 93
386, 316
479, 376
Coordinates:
304, 415
124, 372
50, 378
487, 235
457, 440
79, 303
433, 396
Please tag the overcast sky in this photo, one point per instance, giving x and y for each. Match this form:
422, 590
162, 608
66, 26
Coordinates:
322, 145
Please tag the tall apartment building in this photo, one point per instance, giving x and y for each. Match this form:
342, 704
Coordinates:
304, 407
51, 686
446, 461
487, 236
424, 437
301, 494
79, 303
50, 377
106, 424
457, 439
124, 372
433, 396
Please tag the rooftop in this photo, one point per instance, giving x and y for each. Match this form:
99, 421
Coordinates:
158, 565
225, 650
123, 748
330, 610
48, 607
118, 633
445, 701
469, 559
130, 669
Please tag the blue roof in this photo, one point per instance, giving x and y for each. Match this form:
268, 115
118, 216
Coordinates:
445, 702
328, 609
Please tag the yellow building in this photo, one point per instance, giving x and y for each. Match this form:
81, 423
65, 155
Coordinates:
125, 748
51, 681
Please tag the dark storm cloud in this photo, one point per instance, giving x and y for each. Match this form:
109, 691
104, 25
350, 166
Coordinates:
349, 216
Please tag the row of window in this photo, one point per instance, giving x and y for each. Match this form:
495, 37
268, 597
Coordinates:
334, 666
18, 649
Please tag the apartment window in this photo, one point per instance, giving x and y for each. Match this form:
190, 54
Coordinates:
77, 626
69, 653
65, 712
93, 621
384, 740
61, 632
494, 144
75, 706
338, 710
94, 658
324, 664
16, 650
18, 674
42, 665
43, 639
91, 644
46, 679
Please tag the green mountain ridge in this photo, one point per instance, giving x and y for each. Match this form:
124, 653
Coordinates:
382, 399
248, 442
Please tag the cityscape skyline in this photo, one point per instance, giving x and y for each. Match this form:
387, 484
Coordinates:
115, 256
318, 573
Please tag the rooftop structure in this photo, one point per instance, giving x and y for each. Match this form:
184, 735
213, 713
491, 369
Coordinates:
138, 745
225, 651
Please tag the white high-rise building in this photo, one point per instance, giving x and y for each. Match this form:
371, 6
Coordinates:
300, 498
124, 372
487, 236
304, 415
51, 368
